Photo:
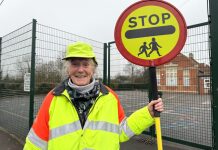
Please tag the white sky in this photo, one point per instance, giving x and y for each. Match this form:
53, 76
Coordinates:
93, 19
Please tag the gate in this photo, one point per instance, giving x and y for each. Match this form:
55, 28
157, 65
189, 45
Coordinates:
184, 84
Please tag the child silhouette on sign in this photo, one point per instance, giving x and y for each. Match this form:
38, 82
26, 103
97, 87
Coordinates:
143, 49
154, 47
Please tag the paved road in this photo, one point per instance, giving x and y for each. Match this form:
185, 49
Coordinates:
10, 142
144, 142
186, 117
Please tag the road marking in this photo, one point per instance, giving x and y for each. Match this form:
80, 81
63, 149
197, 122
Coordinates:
184, 125
200, 108
173, 113
172, 97
206, 103
26, 118
139, 104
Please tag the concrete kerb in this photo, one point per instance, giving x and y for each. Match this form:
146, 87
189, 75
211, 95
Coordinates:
21, 142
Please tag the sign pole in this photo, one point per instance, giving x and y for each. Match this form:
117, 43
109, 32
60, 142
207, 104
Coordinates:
154, 91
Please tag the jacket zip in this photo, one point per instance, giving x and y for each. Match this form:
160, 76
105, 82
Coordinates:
93, 105
78, 110
73, 105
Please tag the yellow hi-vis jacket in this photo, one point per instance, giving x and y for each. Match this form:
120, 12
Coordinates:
57, 125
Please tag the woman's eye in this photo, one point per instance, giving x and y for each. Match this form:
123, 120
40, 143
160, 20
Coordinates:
86, 65
75, 64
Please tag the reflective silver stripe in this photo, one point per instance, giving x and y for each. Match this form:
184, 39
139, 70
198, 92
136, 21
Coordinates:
93, 125
59, 131
125, 128
37, 140
101, 125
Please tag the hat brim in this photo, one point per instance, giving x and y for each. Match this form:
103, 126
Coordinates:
66, 58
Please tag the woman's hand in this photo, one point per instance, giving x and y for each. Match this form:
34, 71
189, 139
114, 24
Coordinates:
157, 105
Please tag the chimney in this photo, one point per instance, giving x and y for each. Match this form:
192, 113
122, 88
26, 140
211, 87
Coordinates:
191, 55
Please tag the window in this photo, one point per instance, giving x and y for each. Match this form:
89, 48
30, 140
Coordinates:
206, 83
158, 76
171, 76
186, 78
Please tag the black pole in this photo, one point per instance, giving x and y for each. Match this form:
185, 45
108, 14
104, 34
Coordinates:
105, 64
0, 58
109, 65
32, 77
153, 87
213, 19
153, 94
109, 62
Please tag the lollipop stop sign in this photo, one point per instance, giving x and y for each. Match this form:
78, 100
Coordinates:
150, 33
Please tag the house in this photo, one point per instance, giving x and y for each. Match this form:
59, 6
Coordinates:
184, 74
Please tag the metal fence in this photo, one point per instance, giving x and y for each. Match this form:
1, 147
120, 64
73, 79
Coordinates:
184, 84
30, 66
50, 49
15, 61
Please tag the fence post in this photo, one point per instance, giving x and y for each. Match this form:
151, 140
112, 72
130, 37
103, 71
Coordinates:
105, 64
109, 62
0, 58
32, 77
213, 19
151, 131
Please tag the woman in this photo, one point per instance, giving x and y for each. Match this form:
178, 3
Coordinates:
82, 113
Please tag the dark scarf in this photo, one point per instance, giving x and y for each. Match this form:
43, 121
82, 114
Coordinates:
83, 101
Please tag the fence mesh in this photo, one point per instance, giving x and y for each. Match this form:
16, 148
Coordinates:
184, 83
50, 49
188, 108
49, 71
15, 63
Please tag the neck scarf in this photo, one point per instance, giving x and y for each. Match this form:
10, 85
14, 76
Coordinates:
81, 89
89, 91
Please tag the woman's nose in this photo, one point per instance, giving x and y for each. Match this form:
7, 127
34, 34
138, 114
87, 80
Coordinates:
80, 68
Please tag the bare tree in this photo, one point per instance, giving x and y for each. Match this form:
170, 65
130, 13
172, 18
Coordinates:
24, 65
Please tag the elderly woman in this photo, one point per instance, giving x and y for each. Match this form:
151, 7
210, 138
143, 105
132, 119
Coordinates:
82, 113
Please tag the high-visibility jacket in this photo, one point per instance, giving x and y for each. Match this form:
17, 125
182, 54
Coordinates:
57, 125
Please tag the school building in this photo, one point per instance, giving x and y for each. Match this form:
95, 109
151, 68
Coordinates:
184, 74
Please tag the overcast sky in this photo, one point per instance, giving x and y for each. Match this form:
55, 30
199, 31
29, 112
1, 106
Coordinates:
93, 19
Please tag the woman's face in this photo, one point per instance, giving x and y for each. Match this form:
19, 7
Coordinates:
81, 70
